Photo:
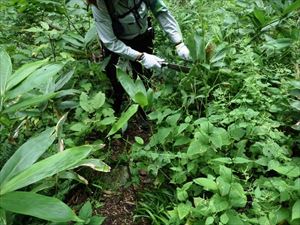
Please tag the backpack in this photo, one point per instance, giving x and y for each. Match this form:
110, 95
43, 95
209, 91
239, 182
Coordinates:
118, 29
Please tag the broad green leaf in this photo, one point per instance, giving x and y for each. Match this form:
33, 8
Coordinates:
223, 186
96, 220
163, 133
95, 164
79, 127
295, 92
124, 119
34, 29
219, 54
206, 126
90, 35
108, 120
23, 72
62, 81
296, 105
4, 120
173, 119
296, 126
5, 71
206, 183
202, 137
44, 25
29, 102
224, 160
160, 136
45, 184
181, 194
182, 127
136, 90
234, 218
260, 16
218, 203
182, 140
139, 140
226, 173
295, 83
224, 218
27, 154
3, 217
75, 50
196, 147
296, 210
71, 175
219, 137
199, 201
236, 132
86, 211
209, 220
196, 45
140, 87
43, 207
68, 92
140, 99
85, 103
183, 210
73, 40
278, 44
98, 100
293, 7
90, 105
264, 220
126, 82
283, 214
241, 160
237, 196
35, 79
187, 185
289, 170
46, 168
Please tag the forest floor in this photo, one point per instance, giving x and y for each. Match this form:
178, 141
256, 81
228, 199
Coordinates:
118, 198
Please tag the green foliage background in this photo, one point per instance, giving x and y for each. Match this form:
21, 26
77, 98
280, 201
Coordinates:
224, 145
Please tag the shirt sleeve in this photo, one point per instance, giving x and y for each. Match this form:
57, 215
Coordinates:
105, 32
166, 20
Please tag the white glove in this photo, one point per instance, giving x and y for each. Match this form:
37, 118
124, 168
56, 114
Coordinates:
151, 61
183, 52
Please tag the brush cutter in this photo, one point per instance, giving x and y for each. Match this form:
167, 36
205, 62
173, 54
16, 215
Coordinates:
179, 68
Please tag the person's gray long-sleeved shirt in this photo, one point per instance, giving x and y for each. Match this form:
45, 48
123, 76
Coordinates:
132, 26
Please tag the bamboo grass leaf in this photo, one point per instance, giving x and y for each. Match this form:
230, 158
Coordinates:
46, 168
27, 154
5, 71
35, 79
124, 119
43, 207
23, 72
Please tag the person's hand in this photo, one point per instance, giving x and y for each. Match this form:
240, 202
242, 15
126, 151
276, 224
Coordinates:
151, 61
183, 52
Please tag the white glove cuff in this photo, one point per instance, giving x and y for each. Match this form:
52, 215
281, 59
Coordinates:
179, 46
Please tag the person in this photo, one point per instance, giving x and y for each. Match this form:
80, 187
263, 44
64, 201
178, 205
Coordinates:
125, 30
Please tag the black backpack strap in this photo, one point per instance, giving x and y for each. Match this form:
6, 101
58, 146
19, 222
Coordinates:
147, 3
110, 9
116, 25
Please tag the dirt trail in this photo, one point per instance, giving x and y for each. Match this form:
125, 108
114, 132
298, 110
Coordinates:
118, 200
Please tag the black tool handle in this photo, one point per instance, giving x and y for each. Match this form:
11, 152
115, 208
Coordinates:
176, 67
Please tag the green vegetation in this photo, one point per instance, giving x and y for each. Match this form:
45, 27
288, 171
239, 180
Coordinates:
224, 142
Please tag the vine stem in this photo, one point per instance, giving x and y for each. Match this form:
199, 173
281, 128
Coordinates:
52, 48
70, 21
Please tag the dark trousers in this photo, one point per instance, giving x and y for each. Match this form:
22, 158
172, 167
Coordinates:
142, 43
